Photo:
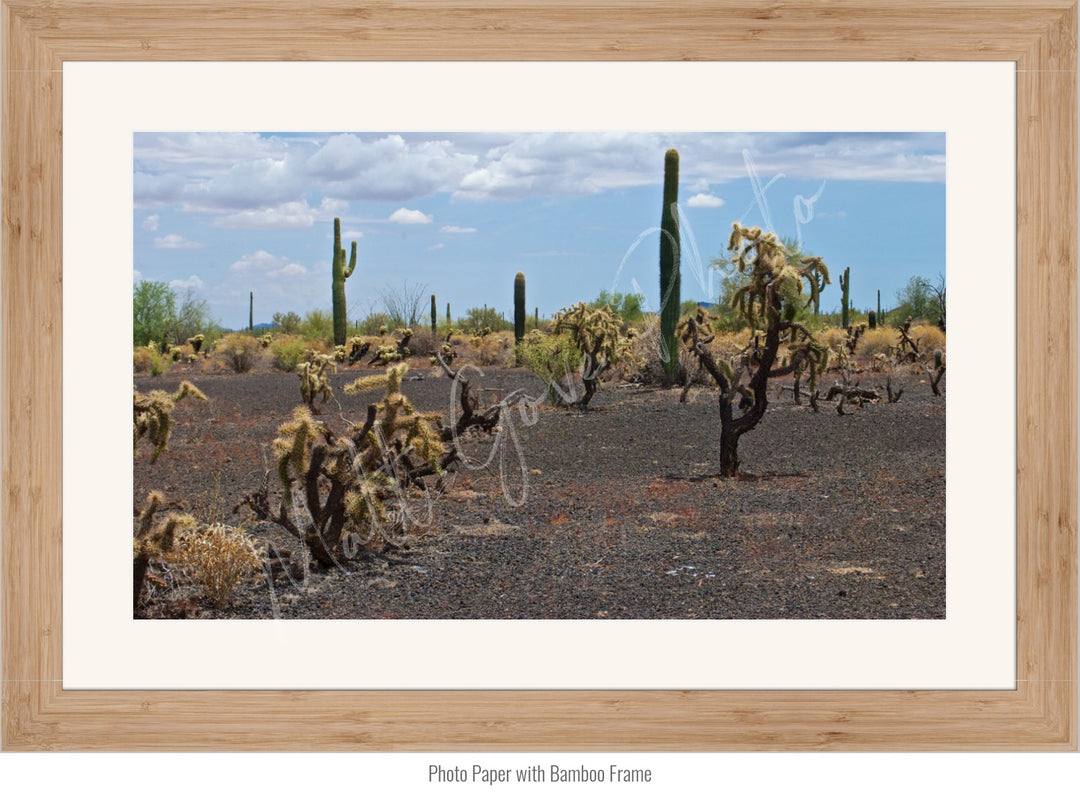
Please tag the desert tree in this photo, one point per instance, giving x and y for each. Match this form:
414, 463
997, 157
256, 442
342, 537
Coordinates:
769, 301
937, 289
404, 303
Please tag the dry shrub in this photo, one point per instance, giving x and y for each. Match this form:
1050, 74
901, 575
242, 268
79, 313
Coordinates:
492, 350
141, 358
217, 558
238, 351
730, 343
877, 340
423, 343
833, 338
928, 338
645, 351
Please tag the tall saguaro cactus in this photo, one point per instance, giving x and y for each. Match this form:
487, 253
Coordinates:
434, 317
845, 298
519, 306
669, 267
341, 273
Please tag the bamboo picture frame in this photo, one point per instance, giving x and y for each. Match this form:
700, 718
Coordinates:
1039, 714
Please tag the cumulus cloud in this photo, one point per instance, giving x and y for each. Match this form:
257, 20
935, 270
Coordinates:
150, 223
407, 216
136, 277
704, 200
389, 168
436, 247
458, 230
263, 263
175, 241
565, 164
192, 282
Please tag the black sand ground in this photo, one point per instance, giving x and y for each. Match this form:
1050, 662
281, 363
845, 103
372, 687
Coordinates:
624, 517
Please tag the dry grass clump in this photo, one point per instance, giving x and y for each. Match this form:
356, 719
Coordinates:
928, 338
423, 343
492, 350
141, 358
832, 338
217, 558
238, 351
877, 340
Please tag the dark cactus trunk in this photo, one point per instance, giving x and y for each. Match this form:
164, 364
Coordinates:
519, 315
669, 267
434, 317
845, 298
251, 311
519, 306
341, 272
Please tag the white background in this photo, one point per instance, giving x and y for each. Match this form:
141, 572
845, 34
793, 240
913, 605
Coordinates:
804, 773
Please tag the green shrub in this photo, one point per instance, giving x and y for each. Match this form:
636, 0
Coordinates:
318, 326
553, 357
288, 352
370, 325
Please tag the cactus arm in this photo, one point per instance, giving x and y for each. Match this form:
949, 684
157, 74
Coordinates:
347, 272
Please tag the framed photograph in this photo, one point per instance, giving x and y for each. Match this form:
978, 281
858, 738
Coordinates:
966, 137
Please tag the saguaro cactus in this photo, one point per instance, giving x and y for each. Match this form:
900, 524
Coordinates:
341, 273
251, 311
669, 267
434, 317
519, 306
845, 298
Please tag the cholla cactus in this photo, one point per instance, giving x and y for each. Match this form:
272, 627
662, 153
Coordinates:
154, 538
196, 342
153, 418
597, 336
314, 382
769, 301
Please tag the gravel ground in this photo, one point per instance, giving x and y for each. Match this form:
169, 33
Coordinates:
612, 513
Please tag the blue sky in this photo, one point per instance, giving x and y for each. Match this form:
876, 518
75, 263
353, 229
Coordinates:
223, 214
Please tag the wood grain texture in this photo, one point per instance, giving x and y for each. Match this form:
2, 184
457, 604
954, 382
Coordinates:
1040, 714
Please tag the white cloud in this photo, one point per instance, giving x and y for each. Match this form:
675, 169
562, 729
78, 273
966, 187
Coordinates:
175, 241
291, 215
136, 277
406, 216
192, 282
263, 262
352, 234
704, 200
150, 223
458, 230
388, 168
436, 247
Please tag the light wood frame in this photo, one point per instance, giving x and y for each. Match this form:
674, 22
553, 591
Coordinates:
1038, 35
